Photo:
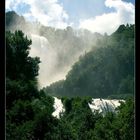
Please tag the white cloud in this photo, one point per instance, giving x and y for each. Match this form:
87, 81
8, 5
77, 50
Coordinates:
12, 4
47, 12
109, 22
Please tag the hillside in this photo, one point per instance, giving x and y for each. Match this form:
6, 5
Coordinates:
58, 49
107, 70
32, 115
70, 70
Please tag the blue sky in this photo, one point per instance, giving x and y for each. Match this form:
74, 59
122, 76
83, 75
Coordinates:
76, 13
81, 9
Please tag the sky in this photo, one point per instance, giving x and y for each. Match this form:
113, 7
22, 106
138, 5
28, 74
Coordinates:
94, 15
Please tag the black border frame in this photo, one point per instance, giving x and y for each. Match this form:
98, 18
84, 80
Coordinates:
2, 70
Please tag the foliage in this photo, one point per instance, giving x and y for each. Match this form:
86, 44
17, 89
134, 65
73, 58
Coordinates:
106, 70
103, 71
22, 91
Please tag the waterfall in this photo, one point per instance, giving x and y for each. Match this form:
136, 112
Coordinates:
103, 105
58, 106
42, 48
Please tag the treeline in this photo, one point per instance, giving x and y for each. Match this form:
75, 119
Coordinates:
106, 71
29, 111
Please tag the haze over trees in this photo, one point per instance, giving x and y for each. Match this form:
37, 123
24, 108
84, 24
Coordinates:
58, 49
106, 70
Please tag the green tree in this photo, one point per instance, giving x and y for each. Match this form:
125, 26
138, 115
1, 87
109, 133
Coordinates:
21, 69
125, 120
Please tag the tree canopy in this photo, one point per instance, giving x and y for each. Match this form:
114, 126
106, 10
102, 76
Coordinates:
101, 72
107, 70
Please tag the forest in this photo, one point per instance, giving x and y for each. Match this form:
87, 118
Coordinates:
105, 71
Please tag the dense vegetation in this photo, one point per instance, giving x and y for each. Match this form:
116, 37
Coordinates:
107, 70
24, 103
29, 111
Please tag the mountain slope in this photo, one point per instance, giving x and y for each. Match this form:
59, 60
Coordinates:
65, 46
106, 70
